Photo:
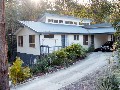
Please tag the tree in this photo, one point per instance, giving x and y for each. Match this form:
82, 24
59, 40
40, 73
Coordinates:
4, 81
101, 10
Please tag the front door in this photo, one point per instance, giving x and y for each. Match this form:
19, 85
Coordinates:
63, 40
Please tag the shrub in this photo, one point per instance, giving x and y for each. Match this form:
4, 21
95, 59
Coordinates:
41, 66
91, 48
108, 82
18, 73
60, 57
75, 49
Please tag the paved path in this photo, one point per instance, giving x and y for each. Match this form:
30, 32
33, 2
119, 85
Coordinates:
67, 76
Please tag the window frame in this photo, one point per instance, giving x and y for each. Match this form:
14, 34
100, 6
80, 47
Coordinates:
32, 41
20, 41
55, 21
49, 36
51, 20
68, 22
76, 37
75, 23
60, 21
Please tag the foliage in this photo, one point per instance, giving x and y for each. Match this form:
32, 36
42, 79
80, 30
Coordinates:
108, 83
91, 48
76, 50
18, 73
41, 66
60, 57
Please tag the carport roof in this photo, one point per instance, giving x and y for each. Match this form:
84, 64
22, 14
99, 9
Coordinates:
107, 30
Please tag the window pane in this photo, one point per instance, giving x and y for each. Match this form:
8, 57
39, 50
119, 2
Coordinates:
75, 23
77, 37
60, 21
71, 22
80, 23
49, 36
32, 45
85, 24
55, 21
66, 22
20, 41
74, 37
32, 40
50, 20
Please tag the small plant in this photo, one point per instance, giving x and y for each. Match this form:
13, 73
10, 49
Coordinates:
91, 48
17, 73
60, 57
75, 49
41, 66
108, 82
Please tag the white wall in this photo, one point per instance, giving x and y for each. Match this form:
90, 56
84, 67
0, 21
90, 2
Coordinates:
26, 49
99, 39
57, 38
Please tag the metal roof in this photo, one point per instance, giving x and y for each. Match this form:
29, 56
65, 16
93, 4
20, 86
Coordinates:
108, 30
48, 28
101, 25
53, 28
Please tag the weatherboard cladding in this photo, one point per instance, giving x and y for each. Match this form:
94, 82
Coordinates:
40, 27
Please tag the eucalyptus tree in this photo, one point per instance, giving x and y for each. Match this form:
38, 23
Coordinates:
101, 10
4, 81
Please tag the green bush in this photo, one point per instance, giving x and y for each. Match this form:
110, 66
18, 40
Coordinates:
91, 48
63, 57
60, 57
75, 49
17, 73
108, 83
41, 66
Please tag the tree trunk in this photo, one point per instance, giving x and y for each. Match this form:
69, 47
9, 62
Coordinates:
4, 80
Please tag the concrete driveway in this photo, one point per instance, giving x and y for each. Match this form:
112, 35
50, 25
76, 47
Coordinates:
67, 76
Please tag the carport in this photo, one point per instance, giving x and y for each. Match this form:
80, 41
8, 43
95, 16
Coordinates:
102, 33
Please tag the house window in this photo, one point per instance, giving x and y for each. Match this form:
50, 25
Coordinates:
20, 41
55, 21
85, 39
60, 21
68, 22
49, 36
76, 37
71, 22
80, 23
75, 23
85, 24
31, 40
50, 20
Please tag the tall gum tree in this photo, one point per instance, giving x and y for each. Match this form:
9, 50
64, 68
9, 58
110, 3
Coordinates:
4, 80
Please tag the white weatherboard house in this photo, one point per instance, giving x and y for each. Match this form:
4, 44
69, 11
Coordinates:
56, 31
